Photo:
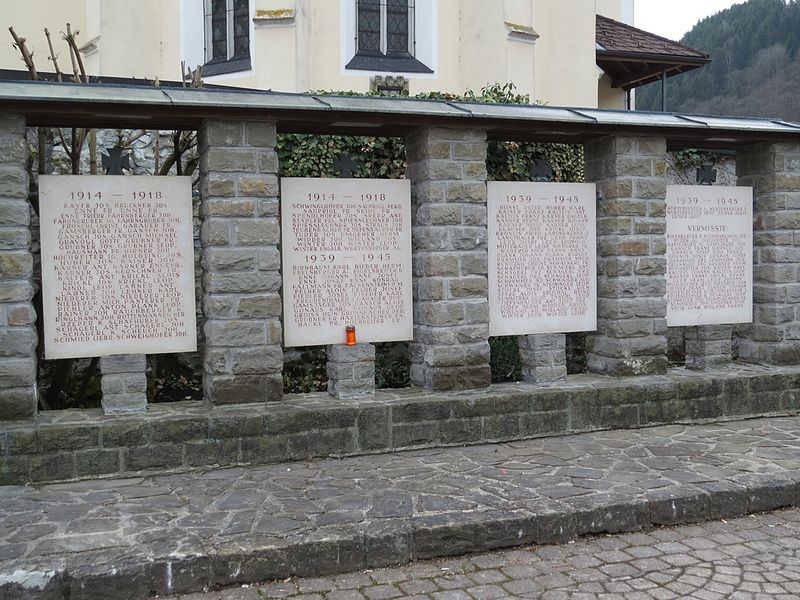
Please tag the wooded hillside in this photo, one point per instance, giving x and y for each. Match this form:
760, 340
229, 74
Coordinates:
755, 68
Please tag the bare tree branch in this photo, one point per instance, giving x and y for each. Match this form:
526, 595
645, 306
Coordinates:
27, 57
73, 51
53, 55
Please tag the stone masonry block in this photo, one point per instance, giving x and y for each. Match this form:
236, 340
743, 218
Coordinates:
228, 207
351, 371
257, 232
13, 181
351, 354
258, 185
222, 133
543, 357
259, 306
14, 213
18, 341
123, 363
241, 282
260, 134
120, 404
231, 160
17, 403
16, 265
230, 259
231, 333
215, 232
15, 238
261, 359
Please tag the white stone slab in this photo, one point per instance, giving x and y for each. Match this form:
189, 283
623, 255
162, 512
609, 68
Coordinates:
709, 255
346, 247
117, 265
542, 258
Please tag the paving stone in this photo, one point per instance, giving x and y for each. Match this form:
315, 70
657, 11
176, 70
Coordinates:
332, 516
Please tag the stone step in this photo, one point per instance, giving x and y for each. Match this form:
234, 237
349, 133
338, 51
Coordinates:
177, 533
180, 436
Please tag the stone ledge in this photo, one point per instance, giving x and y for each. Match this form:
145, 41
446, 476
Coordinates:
68, 445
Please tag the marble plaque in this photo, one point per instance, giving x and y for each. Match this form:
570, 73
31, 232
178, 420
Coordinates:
542, 258
709, 255
346, 247
117, 265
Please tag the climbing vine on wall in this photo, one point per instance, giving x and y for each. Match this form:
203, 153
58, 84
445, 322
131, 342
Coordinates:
313, 155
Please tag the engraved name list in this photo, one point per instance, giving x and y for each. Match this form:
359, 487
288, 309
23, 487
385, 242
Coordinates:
709, 255
541, 258
346, 259
117, 265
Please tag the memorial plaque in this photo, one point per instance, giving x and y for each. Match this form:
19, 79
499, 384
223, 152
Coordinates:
542, 258
709, 255
346, 246
117, 265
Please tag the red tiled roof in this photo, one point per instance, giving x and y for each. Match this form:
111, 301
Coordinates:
617, 38
633, 57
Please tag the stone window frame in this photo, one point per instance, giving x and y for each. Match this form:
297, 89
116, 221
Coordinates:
384, 59
232, 62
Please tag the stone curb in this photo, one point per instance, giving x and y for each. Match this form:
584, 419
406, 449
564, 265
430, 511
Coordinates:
405, 540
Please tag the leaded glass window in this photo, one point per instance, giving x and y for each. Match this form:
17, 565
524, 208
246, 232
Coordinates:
241, 27
385, 27
219, 30
397, 26
227, 30
369, 26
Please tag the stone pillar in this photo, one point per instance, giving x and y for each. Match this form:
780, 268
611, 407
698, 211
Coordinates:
124, 383
544, 357
240, 233
630, 173
773, 170
351, 371
707, 346
18, 336
447, 168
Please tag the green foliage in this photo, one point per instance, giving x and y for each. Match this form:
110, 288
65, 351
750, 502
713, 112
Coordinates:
307, 375
314, 155
505, 361
687, 158
392, 365
384, 158
754, 69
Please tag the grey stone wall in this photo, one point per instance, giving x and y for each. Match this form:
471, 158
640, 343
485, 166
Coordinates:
176, 436
18, 337
773, 170
351, 371
544, 357
707, 346
124, 383
630, 173
447, 168
240, 234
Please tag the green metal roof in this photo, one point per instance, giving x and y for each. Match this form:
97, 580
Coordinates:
102, 105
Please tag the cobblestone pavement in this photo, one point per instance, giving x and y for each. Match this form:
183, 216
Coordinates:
754, 558
180, 533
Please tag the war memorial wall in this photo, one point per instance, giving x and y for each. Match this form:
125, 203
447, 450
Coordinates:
443, 259
117, 264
